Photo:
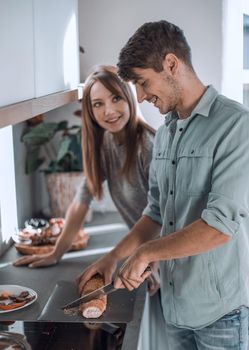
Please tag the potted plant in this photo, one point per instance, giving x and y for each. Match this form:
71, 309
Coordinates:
55, 149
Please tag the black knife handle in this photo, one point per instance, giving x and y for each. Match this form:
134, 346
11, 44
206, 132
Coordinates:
148, 268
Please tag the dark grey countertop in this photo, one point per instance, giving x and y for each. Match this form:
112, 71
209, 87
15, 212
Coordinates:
44, 280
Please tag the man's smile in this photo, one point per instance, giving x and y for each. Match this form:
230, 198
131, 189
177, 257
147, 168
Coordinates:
153, 100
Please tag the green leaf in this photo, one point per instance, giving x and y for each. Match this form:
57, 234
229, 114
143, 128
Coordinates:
64, 148
62, 125
40, 134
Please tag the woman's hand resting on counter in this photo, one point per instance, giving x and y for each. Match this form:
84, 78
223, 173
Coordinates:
37, 260
104, 266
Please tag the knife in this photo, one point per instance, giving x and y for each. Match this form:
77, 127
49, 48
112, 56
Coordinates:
104, 290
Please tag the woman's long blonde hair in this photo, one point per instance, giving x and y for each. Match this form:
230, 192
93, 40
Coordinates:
92, 133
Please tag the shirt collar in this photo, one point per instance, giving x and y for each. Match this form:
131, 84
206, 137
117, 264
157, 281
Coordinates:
202, 108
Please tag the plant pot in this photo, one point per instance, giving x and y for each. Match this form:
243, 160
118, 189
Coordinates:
61, 189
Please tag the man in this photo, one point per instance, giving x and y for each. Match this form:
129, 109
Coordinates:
198, 199
199, 192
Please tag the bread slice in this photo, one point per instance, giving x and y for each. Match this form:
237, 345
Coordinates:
95, 307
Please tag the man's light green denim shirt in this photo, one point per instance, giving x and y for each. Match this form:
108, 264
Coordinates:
200, 169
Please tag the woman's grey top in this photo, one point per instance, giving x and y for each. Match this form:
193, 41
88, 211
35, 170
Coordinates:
130, 197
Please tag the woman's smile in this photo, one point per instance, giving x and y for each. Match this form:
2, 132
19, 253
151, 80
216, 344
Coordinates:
113, 120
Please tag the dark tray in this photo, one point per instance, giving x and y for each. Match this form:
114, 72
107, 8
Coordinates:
119, 306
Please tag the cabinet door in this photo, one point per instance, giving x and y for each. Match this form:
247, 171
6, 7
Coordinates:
17, 51
56, 45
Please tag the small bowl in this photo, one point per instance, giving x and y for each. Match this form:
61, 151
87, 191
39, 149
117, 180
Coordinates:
36, 223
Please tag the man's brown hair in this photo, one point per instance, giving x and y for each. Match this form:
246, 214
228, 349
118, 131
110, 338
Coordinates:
148, 47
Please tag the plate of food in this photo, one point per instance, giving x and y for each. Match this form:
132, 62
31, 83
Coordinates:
14, 297
31, 240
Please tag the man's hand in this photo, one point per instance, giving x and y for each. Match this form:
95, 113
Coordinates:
105, 266
142, 232
37, 260
132, 273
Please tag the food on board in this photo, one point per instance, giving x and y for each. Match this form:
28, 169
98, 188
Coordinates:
95, 307
42, 240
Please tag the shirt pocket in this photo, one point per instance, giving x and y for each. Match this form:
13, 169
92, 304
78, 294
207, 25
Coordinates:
193, 172
162, 166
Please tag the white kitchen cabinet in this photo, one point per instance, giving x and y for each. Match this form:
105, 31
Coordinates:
56, 45
16, 51
39, 48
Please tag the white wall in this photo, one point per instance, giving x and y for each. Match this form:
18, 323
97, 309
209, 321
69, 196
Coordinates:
25, 195
105, 27
232, 49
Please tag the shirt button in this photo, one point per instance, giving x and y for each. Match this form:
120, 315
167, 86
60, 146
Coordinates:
171, 223
173, 162
180, 129
171, 192
170, 283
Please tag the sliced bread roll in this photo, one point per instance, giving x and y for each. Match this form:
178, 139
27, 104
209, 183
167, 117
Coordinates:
95, 307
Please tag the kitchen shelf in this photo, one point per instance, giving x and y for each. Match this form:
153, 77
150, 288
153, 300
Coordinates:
21, 111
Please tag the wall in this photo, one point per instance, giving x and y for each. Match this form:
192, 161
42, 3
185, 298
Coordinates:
105, 26
232, 50
25, 194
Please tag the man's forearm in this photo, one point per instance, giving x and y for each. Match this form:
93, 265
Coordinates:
143, 231
194, 239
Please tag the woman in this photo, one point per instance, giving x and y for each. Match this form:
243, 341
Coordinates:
117, 147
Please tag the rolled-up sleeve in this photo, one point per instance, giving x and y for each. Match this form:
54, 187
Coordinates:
228, 200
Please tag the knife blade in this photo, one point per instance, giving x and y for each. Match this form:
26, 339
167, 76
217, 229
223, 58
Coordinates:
105, 290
